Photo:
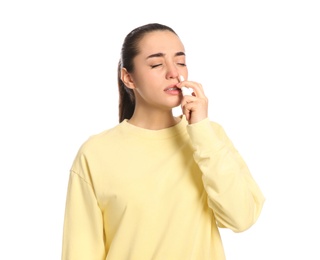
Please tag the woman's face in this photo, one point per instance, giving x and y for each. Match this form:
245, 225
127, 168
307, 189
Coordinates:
156, 70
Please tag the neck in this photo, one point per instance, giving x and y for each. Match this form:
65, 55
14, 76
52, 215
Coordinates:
153, 120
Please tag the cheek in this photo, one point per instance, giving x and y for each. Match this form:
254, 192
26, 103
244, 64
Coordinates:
148, 91
147, 82
139, 78
143, 80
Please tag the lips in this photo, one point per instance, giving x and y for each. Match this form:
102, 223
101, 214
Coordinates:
171, 89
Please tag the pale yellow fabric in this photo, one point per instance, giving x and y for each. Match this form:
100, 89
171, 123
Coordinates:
137, 194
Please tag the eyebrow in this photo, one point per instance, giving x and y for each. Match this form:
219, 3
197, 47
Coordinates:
161, 54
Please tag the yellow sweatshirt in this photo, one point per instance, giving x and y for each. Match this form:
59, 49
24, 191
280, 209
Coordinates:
138, 194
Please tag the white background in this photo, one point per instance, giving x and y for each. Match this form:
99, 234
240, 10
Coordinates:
259, 62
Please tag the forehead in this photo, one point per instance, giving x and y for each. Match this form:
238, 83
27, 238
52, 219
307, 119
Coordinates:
160, 41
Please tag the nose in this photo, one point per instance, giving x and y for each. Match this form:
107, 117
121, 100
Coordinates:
172, 71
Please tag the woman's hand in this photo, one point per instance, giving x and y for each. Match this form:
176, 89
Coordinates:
195, 107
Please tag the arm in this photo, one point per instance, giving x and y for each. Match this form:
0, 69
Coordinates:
233, 195
83, 236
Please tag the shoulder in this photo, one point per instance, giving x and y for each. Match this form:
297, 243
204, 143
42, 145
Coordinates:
96, 146
105, 138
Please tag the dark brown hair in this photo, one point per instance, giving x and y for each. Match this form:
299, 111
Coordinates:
128, 51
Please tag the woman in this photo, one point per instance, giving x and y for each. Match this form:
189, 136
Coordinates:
157, 186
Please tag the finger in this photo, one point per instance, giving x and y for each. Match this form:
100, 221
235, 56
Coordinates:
187, 112
188, 106
196, 88
196, 110
187, 99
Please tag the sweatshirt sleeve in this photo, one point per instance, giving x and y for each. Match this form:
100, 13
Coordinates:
233, 195
83, 236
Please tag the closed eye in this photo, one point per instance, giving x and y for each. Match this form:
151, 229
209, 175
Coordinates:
154, 66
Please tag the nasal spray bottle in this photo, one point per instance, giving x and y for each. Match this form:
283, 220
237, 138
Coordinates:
185, 91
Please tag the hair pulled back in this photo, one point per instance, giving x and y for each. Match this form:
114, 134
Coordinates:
129, 50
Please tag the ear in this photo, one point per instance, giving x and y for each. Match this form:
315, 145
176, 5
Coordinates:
126, 78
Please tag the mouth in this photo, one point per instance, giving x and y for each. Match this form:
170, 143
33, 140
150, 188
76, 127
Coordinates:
172, 89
